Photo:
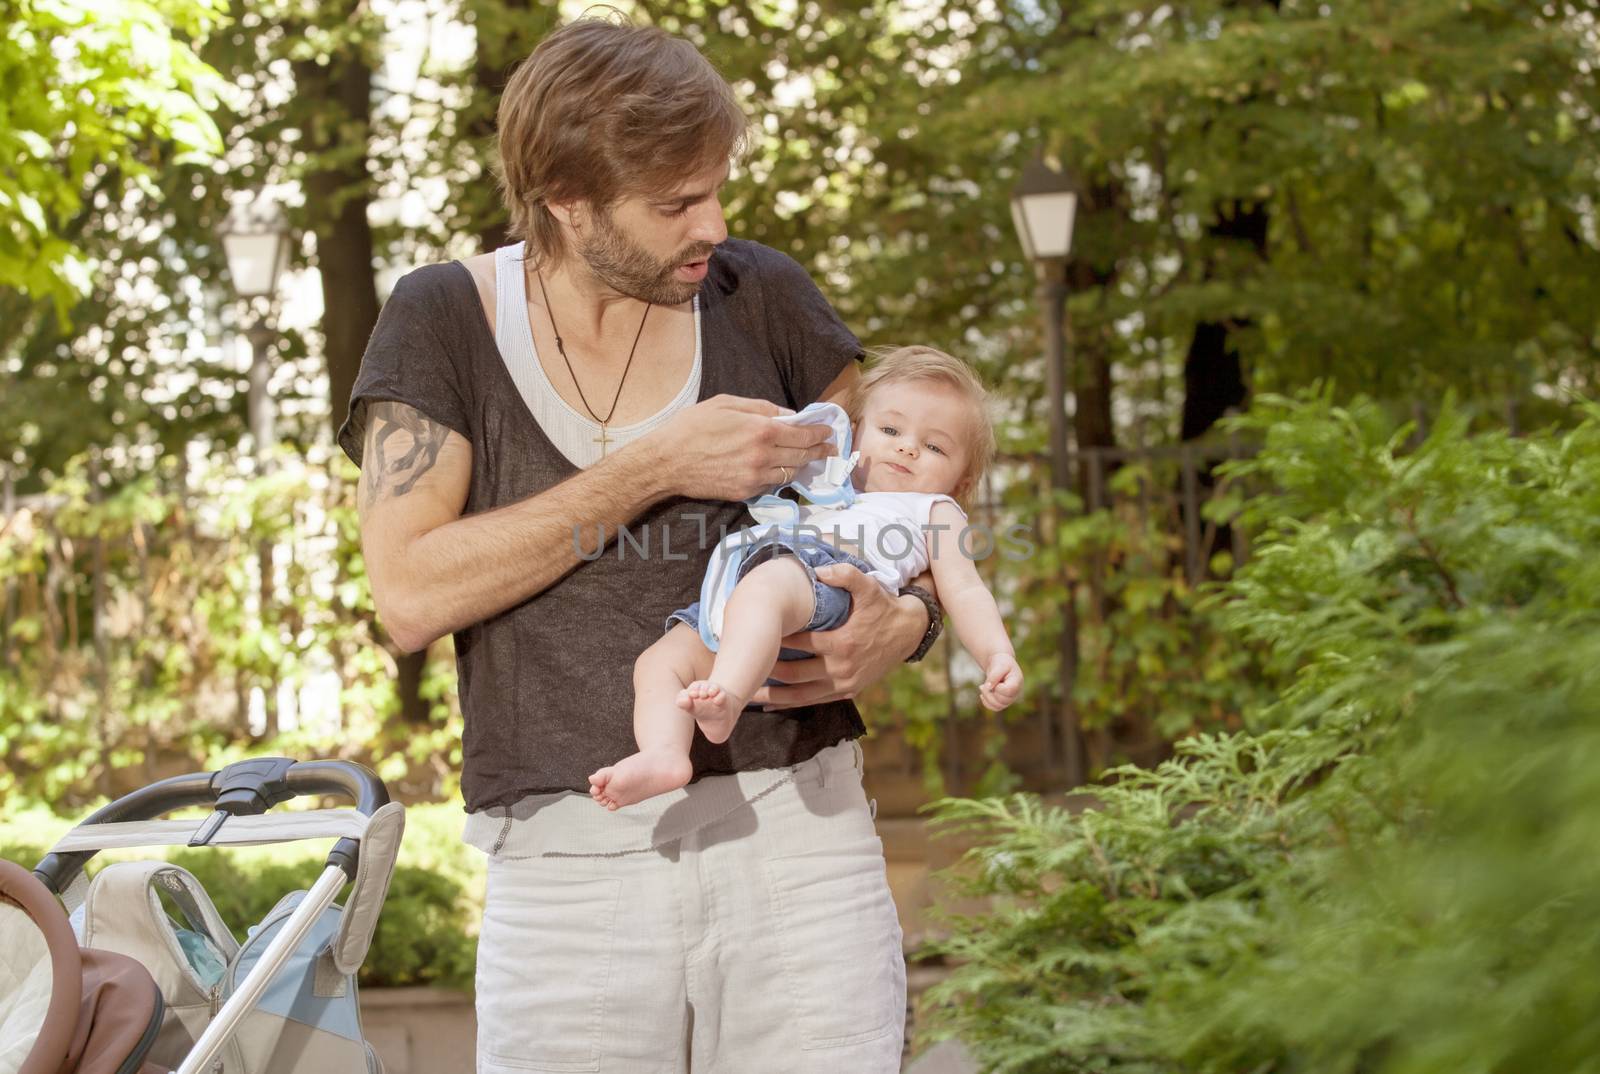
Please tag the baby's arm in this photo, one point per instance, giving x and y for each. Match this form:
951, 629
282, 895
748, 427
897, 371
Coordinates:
973, 611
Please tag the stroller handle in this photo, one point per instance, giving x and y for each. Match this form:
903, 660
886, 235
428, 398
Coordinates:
243, 788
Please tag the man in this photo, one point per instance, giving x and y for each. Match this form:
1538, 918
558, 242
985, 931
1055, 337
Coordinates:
622, 370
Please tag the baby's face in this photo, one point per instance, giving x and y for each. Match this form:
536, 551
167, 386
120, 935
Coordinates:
913, 437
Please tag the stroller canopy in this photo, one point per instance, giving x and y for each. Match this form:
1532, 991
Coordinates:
62, 1008
26, 970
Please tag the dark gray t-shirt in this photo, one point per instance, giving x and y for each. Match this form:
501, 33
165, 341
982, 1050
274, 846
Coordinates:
547, 686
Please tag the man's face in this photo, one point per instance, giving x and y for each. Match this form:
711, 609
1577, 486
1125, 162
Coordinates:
657, 248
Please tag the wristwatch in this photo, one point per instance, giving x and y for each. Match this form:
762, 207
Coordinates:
935, 621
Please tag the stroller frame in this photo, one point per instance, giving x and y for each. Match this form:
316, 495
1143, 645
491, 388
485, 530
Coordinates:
244, 789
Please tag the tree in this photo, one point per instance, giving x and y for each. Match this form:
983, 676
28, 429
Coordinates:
1394, 197
95, 96
1390, 196
333, 67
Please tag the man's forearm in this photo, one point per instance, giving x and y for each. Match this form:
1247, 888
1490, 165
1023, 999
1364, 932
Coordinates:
477, 566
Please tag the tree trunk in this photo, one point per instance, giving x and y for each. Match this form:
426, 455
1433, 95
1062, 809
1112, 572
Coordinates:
1213, 379
1213, 385
489, 81
408, 685
1213, 376
1094, 268
498, 54
338, 191
1092, 426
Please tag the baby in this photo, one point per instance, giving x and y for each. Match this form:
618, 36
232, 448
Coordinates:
923, 440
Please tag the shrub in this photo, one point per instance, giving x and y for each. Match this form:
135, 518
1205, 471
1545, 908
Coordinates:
423, 932
1390, 869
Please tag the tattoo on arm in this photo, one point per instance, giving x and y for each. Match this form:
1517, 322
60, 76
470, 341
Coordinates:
393, 467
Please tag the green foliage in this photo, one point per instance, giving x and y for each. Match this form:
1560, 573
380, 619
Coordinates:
1424, 170
1387, 870
1150, 647
1156, 660
1452, 931
92, 90
138, 639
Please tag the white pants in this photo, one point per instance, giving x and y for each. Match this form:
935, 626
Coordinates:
762, 943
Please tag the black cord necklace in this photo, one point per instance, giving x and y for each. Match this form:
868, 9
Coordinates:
603, 440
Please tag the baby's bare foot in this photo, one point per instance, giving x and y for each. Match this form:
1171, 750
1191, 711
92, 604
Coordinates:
641, 776
598, 784
712, 707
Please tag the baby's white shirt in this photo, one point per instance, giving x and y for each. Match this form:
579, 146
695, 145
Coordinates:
889, 530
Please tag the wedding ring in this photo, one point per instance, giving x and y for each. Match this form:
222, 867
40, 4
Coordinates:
788, 474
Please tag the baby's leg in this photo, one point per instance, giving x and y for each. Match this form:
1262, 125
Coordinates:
661, 729
773, 600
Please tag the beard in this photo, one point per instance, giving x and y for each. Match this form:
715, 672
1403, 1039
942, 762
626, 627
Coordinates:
629, 269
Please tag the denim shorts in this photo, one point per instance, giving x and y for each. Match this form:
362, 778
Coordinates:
832, 604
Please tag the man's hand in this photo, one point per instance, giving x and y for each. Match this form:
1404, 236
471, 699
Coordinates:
1002, 682
730, 448
880, 633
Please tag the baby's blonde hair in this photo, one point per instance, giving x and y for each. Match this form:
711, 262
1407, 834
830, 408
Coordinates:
903, 364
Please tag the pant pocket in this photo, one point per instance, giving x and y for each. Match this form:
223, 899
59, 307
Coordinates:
840, 946
544, 969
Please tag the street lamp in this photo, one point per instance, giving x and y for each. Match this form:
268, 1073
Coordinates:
257, 241
1044, 206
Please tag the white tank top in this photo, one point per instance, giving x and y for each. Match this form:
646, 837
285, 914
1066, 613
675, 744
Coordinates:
575, 434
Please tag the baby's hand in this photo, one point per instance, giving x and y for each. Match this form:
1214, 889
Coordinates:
1002, 682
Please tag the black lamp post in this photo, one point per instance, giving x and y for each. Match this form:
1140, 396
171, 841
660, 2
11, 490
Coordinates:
257, 240
1044, 206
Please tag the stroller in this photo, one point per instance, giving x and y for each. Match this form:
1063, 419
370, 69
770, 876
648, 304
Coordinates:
192, 1000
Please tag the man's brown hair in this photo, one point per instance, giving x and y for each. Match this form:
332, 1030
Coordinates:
604, 109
